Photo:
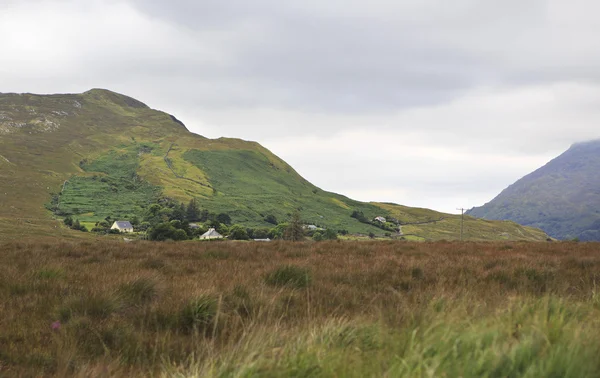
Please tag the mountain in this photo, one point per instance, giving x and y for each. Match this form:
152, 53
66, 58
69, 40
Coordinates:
100, 154
562, 198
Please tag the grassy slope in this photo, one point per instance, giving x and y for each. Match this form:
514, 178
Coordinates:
113, 151
448, 228
371, 309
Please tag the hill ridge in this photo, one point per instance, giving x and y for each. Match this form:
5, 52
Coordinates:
562, 197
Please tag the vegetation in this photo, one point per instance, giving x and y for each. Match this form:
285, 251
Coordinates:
328, 309
100, 155
562, 198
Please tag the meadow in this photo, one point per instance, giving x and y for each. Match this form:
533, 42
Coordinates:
100, 308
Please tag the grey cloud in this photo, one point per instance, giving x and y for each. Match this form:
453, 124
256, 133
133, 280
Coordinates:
466, 77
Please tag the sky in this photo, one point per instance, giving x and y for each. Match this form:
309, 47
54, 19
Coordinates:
429, 103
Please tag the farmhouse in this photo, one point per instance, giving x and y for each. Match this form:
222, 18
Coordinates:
211, 234
380, 219
123, 226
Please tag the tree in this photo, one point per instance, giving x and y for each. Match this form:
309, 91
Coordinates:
68, 221
179, 213
271, 219
163, 232
192, 211
294, 230
330, 234
238, 232
180, 235
260, 233
224, 218
359, 216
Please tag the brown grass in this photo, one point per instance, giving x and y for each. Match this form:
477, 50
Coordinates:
132, 309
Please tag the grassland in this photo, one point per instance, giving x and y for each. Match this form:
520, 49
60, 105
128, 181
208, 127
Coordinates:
103, 308
116, 155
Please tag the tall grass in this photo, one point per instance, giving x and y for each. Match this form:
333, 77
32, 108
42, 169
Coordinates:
299, 309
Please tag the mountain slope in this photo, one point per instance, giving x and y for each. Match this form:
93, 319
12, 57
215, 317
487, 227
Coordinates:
101, 154
562, 197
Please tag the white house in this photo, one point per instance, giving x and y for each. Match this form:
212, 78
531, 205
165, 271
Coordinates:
123, 226
380, 219
211, 234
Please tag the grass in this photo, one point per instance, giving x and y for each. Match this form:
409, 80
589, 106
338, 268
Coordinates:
117, 155
119, 192
324, 309
250, 184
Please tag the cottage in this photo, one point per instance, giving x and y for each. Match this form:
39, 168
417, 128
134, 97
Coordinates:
262, 240
194, 226
380, 219
311, 227
211, 234
123, 226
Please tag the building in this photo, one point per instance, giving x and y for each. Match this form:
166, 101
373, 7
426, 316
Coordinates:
123, 226
194, 226
211, 234
262, 240
380, 219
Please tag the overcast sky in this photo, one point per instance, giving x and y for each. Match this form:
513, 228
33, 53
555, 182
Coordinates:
429, 103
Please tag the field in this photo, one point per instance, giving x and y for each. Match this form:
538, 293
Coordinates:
105, 308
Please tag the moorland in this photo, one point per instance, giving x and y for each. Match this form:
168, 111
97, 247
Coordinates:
99, 308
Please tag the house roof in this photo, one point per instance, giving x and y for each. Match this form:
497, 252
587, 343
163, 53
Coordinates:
123, 224
211, 232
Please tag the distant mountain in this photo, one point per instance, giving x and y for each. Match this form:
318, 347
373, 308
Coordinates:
100, 154
562, 198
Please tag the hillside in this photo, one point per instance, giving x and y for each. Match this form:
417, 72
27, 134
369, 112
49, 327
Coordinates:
562, 198
100, 154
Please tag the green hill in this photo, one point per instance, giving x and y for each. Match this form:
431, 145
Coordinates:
562, 197
100, 154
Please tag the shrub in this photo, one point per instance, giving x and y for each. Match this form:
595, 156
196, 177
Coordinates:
330, 234
289, 276
317, 236
198, 314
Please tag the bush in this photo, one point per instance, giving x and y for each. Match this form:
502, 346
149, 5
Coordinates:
289, 276
238, 233
166, 231
198, 314
330, 234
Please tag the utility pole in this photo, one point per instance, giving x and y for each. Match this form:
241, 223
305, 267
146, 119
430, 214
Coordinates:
462, 222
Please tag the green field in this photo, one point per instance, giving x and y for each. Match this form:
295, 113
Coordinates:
114, 190
249, 187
